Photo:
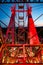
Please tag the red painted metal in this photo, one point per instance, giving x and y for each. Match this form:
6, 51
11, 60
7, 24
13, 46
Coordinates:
32, 34
2, 42
11, 26
21, 33
1, 36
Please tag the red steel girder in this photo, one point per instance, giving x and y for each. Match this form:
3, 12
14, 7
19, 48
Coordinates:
21, 10
26, 45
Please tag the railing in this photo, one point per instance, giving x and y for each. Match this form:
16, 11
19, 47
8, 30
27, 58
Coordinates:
22, 53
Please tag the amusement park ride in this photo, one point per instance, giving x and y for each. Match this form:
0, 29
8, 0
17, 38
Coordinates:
14, 47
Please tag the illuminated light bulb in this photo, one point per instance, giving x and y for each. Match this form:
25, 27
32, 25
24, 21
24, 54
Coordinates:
3, 59
12, 62
7, 62
30, 61
42, 57
31, 54
16, 61
0, 40
35, 62
7, 59
26, 61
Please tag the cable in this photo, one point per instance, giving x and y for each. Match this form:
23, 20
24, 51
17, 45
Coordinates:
31, 37
35, 20
9, 16
17, 23
4, 12
38, 17
3, 23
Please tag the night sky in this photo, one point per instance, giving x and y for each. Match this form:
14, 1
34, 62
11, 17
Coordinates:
37, 10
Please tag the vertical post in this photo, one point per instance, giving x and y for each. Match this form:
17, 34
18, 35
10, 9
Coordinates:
42, 54
29, 16
10, 34
24, 54
13, 26
32, 33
